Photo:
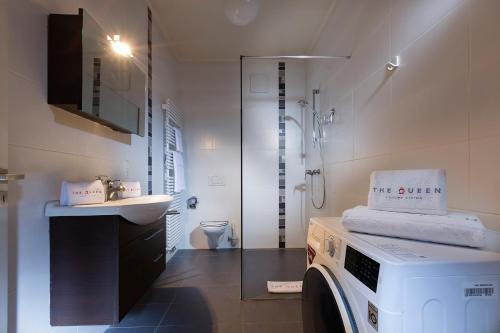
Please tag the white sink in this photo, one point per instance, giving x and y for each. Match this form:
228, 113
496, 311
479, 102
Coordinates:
141, 210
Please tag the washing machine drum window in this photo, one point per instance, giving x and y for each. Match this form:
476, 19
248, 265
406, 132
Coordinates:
324, 306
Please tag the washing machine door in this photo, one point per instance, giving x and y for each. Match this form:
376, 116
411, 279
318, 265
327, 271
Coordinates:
324, 306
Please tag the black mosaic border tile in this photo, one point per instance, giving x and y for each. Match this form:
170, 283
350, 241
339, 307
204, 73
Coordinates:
150, 102
96, 87
282, 148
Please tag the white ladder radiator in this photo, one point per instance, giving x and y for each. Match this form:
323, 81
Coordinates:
172, 118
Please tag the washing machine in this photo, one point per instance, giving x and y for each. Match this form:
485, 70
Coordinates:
360, 283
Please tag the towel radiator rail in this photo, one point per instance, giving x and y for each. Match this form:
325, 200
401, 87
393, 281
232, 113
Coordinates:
172, 118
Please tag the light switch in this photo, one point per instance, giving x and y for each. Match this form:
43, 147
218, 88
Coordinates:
216, 181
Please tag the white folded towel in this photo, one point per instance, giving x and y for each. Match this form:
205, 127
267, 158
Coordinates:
179, 180
178, 139
131, 190
284, 287
82, 193
411, 191
455, 228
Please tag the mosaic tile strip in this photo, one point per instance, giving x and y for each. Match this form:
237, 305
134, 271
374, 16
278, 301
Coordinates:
282, 162
96, 87
150, 102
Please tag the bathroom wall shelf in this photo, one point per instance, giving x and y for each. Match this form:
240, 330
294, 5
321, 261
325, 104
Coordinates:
100, 266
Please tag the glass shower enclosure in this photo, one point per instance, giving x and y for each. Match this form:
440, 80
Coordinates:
273, 166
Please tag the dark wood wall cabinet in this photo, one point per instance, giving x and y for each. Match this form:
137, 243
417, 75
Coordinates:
100, 266
86, 77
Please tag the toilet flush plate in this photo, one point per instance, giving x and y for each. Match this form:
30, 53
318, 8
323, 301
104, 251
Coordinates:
216, 180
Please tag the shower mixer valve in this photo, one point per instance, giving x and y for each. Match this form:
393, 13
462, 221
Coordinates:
312, 172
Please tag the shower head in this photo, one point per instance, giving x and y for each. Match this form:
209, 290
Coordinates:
303, 102
305, 105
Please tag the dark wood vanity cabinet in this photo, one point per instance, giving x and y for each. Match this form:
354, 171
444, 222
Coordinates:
100, 266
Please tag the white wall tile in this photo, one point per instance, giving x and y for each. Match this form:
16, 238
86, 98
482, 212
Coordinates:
260, 218
339, 194
260, 169
485, 68
484, 175
209, 95
295, 198
430, 89
371, 55
340, 83
412, 18
29, 28
261, 157
373, 116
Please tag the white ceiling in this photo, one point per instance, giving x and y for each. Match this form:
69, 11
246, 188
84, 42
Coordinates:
197, 30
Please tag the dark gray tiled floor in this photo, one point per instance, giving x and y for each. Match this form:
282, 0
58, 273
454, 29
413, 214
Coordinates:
199, 292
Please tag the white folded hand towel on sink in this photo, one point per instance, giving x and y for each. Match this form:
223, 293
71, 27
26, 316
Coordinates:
82, 193
131, 190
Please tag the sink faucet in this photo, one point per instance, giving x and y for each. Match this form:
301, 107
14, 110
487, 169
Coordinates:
112, 187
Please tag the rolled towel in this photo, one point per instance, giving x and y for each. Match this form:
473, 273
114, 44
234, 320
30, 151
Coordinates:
82, 193
178, 139
411, 191
131, 190
179, 180
455, 228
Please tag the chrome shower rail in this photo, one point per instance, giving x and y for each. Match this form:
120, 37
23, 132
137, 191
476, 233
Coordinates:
297, 57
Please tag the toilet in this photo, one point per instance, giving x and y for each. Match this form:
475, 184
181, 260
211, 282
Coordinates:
214, 231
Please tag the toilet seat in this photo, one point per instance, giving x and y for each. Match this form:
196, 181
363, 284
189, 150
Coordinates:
213, 224
214, 231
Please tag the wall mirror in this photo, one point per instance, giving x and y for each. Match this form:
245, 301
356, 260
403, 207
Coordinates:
93, 74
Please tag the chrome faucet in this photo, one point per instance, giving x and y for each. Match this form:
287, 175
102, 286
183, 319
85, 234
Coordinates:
112, 187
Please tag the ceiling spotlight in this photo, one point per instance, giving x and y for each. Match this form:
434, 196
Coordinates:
241, 12
119, 47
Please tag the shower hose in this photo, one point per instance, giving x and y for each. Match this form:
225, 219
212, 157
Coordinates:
322, 174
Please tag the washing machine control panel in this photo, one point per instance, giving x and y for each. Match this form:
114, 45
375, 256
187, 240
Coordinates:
364, 268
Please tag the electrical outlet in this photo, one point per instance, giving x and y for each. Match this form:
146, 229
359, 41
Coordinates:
216, 181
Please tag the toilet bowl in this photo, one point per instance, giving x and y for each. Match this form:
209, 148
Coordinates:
214, 231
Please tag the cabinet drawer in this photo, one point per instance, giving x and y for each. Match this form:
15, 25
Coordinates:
155, 259
140, 264
130, 232
154, 270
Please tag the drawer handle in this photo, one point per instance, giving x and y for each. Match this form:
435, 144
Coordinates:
158, 258
154, 234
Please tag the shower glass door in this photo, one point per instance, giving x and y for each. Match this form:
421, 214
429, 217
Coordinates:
273, 184
3, 169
